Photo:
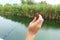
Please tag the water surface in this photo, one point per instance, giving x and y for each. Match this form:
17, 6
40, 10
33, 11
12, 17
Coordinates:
16, 30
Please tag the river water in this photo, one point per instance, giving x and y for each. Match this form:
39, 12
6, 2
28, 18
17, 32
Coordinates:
13, 30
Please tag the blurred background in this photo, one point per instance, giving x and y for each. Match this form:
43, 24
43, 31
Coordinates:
15, 16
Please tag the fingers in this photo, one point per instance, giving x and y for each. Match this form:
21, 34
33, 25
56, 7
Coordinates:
40, 20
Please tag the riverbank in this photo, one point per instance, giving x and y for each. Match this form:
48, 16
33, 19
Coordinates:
49, 12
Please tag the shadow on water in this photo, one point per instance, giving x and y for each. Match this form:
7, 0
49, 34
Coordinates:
51, 24
19, 19
26, 20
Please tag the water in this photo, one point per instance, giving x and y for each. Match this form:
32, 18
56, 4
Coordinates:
16, 30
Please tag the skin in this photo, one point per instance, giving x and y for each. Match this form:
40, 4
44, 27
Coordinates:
33, 28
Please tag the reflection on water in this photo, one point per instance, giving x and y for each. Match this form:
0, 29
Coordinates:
15, 28
10, 30
51, 24
1, 39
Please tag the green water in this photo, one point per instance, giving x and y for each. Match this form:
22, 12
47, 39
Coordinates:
15, 28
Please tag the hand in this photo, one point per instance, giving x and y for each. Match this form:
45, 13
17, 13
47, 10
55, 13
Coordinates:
35, 25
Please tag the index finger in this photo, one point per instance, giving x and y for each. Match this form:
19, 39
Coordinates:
40, 20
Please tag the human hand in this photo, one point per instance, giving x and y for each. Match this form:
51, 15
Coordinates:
35, 25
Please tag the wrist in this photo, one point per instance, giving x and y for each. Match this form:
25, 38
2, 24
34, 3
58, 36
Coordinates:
30, 36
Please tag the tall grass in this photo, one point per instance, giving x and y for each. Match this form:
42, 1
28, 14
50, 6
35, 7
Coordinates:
50, 12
